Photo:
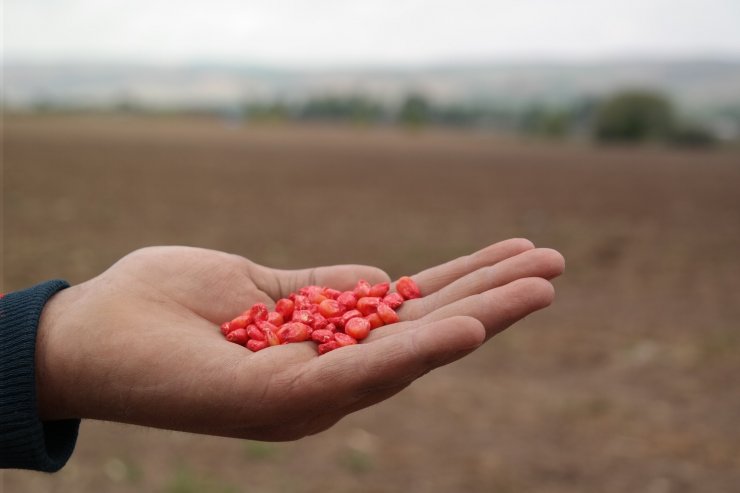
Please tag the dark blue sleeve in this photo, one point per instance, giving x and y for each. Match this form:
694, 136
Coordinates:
27, 442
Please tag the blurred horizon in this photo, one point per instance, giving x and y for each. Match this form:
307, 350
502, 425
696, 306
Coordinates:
550, 98
527, 66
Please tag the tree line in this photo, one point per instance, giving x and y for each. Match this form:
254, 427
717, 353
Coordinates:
626, 116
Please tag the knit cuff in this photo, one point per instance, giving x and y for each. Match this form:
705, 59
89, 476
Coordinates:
27, 442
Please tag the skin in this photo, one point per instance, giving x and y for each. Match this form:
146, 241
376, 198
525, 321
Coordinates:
140, 343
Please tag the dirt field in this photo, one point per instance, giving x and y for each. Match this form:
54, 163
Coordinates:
628, 383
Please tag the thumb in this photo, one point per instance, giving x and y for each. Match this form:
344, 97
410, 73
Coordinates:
279, 283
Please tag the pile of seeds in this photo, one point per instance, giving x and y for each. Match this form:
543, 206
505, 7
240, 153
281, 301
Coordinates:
329, 317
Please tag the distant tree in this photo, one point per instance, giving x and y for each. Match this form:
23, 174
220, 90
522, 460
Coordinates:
415, 110
456, 114
546, 122
634, 116
354, 108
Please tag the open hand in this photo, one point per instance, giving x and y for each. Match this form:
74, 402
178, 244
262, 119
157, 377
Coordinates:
140, 343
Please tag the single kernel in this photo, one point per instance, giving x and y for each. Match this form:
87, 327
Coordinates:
265, 326
301, 302
256, 345
253, 332
408, 288
294, 332
362, 288
271, 338
348, 300
349, 315
331, 293
381, 289
303, 316
331, 308
393, 300
343, 339
328, 346
387, 314
359, 328
238, 336
375, 321
259, 311
225, 328
276, 318
322, 336
368, 304
239, 322
285, 307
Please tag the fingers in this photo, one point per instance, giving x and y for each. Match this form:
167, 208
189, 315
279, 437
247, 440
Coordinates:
279, 283
363, 372
435, 278
540, 262
496, 308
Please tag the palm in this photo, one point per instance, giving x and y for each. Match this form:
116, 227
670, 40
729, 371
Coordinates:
165, 353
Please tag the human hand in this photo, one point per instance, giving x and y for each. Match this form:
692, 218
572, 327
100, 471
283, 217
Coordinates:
140, 343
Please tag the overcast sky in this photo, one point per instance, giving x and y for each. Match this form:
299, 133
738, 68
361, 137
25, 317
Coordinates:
329, 32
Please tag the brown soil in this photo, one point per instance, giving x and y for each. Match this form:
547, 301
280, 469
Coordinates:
629, 382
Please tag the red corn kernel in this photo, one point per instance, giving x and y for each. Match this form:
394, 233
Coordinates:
331, 293
331, 308
259, 311
255, 345
380, 289
387, 314
348, 300
322, 336
264, 325
331, 327
238, 336
393, 300
357, 327
375, 321
350, 315
271, 338
301, 302
312, 288
343, 339
294, 332
303, 316
316, 297
337, 321
275, 318
408, 288
225, 328
362, 288
255, 333
368, 304
328, 346
239, 323
285, 308
319, 321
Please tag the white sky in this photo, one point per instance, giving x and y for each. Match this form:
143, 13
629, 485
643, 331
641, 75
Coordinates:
310, 32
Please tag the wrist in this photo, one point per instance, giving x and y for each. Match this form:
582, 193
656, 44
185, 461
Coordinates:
54, 356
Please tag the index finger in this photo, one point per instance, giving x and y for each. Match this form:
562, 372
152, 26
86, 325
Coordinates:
435, 278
